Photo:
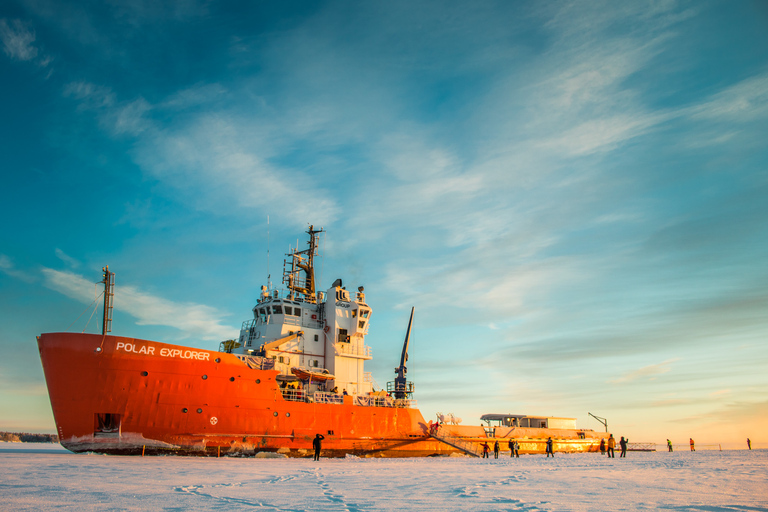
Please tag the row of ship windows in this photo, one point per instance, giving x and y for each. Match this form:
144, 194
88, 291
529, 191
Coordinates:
278, 310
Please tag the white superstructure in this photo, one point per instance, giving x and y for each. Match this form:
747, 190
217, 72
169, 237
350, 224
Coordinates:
321, 332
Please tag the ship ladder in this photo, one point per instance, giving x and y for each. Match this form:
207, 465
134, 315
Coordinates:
467, 447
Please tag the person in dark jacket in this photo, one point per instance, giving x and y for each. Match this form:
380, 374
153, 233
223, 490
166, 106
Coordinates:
317, 444
496, 450
514, 448
486, 448
602, 446
550, 451
623, 443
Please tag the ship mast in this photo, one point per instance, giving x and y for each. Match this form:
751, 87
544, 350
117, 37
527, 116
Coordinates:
302, 261
109, 293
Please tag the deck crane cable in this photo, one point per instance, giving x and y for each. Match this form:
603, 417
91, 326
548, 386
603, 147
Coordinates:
93, 313
86, 309
90, 318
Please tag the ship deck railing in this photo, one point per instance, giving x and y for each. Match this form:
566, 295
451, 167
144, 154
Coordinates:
354, 349
325, 397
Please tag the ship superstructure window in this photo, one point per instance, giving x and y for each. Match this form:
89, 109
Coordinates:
364, 313
263, 314
317, 338
296, 311
343, 338
278, 310
288, 310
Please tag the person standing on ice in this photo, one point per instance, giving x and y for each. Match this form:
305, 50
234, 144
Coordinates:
669, 445
496, 450
486, 448
514, 448
623, 443
749, 444
611, 447
693, 448
550, 451
317, 444
602, 446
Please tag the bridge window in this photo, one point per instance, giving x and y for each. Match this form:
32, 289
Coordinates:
365, 312
288, 310
278, 310
343, 338
296, 311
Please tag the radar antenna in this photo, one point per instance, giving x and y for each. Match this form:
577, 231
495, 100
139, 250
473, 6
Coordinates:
303, 261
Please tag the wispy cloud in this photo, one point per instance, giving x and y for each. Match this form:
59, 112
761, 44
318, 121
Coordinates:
742, 102
7, 267
195, 320
18, 40
646, 372
72, 262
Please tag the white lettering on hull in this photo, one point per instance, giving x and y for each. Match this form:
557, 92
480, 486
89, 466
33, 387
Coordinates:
149, 350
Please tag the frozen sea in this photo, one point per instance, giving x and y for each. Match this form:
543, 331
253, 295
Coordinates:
47, 477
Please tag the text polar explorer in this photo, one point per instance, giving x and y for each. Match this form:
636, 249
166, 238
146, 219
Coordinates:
164, 352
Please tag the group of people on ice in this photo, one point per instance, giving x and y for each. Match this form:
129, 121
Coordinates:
514, 449
610, 446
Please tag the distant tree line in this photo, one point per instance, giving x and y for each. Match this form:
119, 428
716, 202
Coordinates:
24, 437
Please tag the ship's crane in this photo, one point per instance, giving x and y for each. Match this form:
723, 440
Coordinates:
402, 388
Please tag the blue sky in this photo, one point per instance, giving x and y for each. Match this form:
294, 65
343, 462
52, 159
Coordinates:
574, 196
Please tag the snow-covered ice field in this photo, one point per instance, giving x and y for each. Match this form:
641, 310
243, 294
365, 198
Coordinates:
47, 477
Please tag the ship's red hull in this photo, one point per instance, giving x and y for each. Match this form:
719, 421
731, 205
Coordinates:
164, 398
128, 396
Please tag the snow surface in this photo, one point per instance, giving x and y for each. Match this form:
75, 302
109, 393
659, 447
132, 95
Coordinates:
47, 477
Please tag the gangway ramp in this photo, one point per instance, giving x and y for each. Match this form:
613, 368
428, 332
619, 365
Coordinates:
467, 447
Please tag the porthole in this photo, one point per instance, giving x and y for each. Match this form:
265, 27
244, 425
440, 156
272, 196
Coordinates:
258, 381
287, 415
218, 359
231, 379
144, 374
274, 413
199, 411
184, 410
205, 377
